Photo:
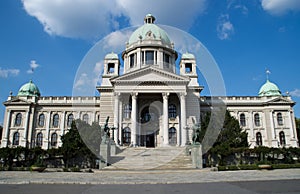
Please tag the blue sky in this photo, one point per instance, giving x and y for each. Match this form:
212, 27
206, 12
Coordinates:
244, 37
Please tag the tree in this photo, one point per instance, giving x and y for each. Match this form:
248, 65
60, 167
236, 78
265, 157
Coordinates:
231, 136
74, 150
1, 130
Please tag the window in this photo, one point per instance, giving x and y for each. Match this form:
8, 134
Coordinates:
70, 120
126, 137
110, 68
243, 120
258, 139
188, 68
55, 120
282, 138
41, 120
18, 120
16, 138
172, 111
131, 58
149, 57
256, 120
166, 61
54, 139
39, 139
172, 136
127, 111
279, 119
85, 118
146, 117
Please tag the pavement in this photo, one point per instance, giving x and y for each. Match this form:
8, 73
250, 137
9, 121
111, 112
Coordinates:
145, 176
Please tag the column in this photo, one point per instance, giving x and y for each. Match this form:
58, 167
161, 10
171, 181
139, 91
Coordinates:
165, 118
26, 127
47, 135
183, 119
272, 125
116, 117
291, 125
133, 118
6, 129
120, 120
62, 127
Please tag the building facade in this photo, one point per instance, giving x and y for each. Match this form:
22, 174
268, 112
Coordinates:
149, 104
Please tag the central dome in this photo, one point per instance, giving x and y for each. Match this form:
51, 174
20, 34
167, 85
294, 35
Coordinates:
149, 30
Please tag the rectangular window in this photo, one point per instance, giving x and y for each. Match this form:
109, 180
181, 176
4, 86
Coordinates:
131, 58
188, 68
166, 61
149, 57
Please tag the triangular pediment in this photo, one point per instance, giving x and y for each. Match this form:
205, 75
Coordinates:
16, 100
150, 74
280, 100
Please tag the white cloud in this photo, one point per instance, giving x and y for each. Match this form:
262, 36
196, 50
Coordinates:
33, 65
117, 39
279, 7
295, 93
90, 19
5, 73
224, 27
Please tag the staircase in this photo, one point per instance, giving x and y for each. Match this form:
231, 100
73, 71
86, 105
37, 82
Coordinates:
150, 158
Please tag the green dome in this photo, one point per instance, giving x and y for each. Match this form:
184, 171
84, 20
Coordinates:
111, 56
149, 29
29, 89
187, 56
269, 89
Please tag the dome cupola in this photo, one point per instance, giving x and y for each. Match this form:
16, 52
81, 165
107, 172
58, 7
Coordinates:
29, 89
269, 89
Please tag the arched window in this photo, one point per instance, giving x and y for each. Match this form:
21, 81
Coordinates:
256, 120
172, 136
243, 120
279, 119
172, 111
70, 120
41, 121
16, 138
55, 120
85, 118
39, 139
282, 138
54, 139
127, 111
18, 119
258, 139
126, 136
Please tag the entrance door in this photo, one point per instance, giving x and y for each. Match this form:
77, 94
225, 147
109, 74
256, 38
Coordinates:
150, 141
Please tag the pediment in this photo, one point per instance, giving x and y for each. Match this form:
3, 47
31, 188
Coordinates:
280, 100
150, 74
16, 100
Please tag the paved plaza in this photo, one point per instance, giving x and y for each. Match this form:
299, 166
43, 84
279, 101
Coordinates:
146, 177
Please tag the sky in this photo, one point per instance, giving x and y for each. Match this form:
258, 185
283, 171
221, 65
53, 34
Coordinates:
46, 40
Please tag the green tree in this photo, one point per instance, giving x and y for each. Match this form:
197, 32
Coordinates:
298, 128
231, 136
74, 150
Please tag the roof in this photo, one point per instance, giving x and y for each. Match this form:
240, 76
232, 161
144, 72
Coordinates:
149, 30
187, 56
111, 55
269, 89
29, 89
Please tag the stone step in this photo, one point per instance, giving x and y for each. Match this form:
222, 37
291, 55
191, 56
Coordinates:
150, 158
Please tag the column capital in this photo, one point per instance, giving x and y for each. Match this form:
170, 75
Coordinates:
165, 95
117, 94
182, 94
134, 94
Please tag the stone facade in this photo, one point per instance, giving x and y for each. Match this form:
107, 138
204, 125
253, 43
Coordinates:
149, 104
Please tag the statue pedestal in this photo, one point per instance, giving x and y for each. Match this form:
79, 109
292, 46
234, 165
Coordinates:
105, 154
113, 148
196, 154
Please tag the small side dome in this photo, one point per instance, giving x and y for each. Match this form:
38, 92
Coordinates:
187, 56
29, 89
269, 89
111, 55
